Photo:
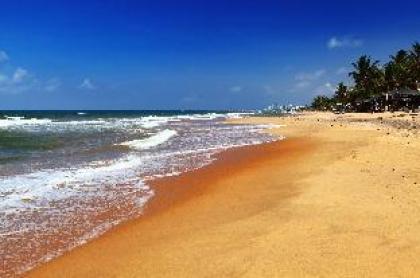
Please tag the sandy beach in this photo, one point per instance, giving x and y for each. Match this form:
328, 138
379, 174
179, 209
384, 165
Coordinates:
339, 197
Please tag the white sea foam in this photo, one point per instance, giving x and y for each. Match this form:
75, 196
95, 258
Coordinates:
152, 141
55, 184
26, 189
20, 121
147, 122
153, 121
32, 190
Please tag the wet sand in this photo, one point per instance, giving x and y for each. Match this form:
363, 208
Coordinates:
337, 198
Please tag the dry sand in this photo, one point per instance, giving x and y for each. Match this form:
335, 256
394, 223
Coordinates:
339, 198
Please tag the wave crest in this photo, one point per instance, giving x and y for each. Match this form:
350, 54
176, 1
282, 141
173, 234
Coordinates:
152, 141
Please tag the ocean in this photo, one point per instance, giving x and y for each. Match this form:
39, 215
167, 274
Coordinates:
68, 176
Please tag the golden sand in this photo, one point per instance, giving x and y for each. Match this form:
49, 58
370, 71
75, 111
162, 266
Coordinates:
339, 198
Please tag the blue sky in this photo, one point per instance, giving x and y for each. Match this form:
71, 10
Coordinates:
189, 54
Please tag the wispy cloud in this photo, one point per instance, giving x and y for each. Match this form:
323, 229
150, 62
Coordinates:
3, 56
17, 82
345, 42
87, 84
236, 89
19, 75
304, 80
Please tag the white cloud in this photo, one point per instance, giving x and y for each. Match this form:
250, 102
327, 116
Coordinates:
236, 89
52, 84
19, 75
21, 80
3, 56
336, 42
87, 84
17, 82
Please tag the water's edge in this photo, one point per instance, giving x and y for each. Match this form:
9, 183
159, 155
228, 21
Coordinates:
183, 145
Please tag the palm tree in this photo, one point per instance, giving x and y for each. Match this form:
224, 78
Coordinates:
402, 71
367, 76
414, 58
321, 103
341, 93
399, 70
389, 76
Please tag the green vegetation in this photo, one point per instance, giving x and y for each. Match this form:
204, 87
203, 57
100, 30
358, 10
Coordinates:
322, 103
370, 79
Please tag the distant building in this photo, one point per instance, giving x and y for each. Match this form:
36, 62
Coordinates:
402, 99
395, 100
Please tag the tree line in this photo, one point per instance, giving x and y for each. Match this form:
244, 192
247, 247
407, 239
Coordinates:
370, 78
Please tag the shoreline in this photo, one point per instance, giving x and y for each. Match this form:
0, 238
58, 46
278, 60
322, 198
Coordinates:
336, 198
55, 209
175, 192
